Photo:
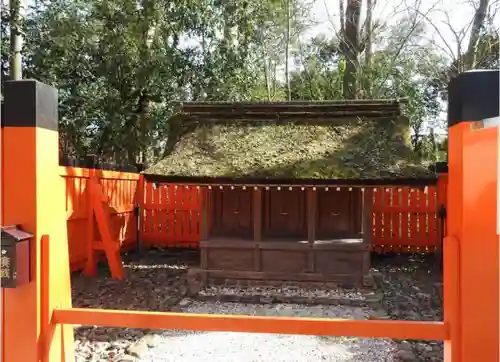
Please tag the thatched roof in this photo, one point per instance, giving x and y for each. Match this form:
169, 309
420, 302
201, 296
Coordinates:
300, 140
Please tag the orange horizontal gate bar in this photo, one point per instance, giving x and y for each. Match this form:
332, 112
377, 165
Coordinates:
254, 324
395, 329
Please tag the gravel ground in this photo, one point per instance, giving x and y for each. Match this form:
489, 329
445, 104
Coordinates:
409, 288
248, 347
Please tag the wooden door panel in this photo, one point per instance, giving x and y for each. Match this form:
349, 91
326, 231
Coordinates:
285, 213
336, 216
233, 212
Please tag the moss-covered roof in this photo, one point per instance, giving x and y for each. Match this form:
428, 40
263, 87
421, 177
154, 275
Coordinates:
353, 149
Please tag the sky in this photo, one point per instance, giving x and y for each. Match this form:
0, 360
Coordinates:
448, 18
444, 18
457, 13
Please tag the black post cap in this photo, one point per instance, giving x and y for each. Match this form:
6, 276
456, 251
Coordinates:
473, 96
29, 103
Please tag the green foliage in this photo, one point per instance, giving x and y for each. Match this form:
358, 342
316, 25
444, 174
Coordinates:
119, 65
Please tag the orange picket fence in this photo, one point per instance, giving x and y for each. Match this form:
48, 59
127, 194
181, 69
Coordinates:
121, 189
171, 215
404, 218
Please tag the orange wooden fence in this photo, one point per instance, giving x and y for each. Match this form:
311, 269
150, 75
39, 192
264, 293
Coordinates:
171, 215
121, 188
404, 218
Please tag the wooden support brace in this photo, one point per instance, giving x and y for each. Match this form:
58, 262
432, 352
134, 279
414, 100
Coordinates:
108, 242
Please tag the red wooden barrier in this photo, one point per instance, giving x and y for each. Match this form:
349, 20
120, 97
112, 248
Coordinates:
404, 218
121, 188
171, 216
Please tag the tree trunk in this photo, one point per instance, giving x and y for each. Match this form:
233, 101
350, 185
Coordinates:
370, 4
287, 50
16, 41
342, 17
475, 34
351, 48
267, 75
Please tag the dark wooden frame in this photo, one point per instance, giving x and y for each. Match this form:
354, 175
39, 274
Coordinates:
307, 260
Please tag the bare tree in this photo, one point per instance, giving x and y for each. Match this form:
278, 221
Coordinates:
464, 57
351, 48
342, 16
287, 49
477, 26
370, 5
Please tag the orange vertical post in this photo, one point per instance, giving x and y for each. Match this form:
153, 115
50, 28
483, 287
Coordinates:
442, 199
472, 214
33, 196
139, 202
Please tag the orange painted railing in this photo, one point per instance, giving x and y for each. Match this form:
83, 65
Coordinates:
404, 218
445, 330
121, 188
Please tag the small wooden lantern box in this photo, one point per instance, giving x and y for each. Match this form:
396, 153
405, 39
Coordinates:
15, 257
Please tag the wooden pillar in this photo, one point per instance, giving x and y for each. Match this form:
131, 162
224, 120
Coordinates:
311, 214
312, 198
257, 225
139, 202
367, 215
442, 192
367, 225
204, 226
34, 196
205, 209
257, 214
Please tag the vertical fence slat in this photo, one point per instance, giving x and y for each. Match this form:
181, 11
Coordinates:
163, 234
377, 237
189, 208
147, 212
414, 217
396, 214
405, 217
155, 203
177, 211
386, 215
171, 213
432, 207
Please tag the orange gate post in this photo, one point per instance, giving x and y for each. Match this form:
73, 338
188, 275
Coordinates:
34, 197
473, 112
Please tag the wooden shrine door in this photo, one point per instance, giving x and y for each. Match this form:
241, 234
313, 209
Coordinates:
232, 212
285, 213
339, 213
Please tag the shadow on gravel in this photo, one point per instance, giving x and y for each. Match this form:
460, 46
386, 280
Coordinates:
411, 286
155, 280
412, 289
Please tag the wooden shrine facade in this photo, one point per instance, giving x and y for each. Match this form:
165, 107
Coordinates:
287, 183
287, 233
